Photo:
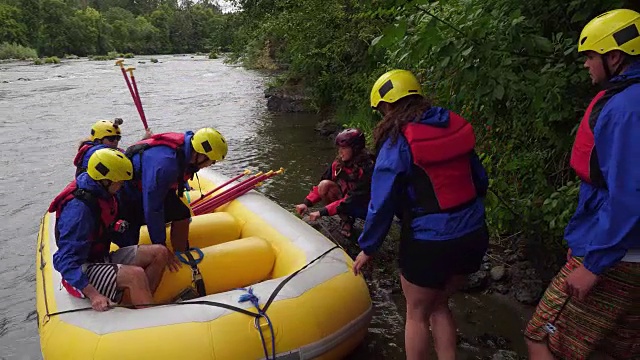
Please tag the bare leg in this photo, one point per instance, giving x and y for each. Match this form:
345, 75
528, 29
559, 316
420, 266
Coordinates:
443, 326
329, 191
180, 235
538, 350
420, 303
153, 259
133, 279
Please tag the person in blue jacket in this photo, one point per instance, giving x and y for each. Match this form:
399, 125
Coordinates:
593, 303
104, 134
162, 166
86, 224
428, 174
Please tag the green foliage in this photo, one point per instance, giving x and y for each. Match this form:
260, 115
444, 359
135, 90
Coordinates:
15, 51
322, 42
213, 54
514, 72
38, 61
58, 27
154, 60
509, 67
11, 29
52, 60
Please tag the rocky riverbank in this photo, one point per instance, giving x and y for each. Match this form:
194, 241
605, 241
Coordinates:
503, 290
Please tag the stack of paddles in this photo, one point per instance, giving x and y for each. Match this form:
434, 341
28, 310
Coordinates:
206, 204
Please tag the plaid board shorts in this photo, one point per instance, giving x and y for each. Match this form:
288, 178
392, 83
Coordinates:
103, 275
608, 320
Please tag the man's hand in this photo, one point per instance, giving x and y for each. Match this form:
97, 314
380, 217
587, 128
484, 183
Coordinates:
361, 259
301, 209
99, 302
173, 263
580, 282
315, 216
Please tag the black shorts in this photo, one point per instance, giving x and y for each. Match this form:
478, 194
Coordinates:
174, 210
431, 263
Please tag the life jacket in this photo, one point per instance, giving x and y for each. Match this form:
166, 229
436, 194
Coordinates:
441, 178
82, 150
346, 177
104, 210
584, 157
171, 139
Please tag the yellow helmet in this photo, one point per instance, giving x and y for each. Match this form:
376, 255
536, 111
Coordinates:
613, 30
208, 141
109, 164
394, 85
104, 128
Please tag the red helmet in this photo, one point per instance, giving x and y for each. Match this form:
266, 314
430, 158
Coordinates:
353, 138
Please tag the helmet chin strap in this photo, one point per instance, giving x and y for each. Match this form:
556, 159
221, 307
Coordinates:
607, 72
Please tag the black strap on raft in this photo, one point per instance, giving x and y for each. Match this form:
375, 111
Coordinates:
210, 303
196, 276
262, 312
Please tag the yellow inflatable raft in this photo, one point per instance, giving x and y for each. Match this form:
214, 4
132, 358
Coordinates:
320, 312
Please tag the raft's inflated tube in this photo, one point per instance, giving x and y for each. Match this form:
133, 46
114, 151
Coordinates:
205, 230
224, 267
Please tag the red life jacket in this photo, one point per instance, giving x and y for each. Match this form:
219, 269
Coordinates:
442, 177
346, 177
82, 150
171, 139
104, 210
584, 157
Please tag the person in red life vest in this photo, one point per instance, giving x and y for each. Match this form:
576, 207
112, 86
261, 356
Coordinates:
428, 175
104, 134
86, 224
162, 165
593, 303
345, 186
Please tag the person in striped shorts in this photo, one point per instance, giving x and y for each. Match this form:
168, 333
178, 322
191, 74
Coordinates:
86, 224
593, 304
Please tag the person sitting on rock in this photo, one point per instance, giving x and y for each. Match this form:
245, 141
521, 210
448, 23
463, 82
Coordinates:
345, 186
104, 134
86, 224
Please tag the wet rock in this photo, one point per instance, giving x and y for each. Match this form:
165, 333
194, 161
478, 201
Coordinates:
519, 271
508, 252
485, 267
497, 273
485, 258
531, 273
492, 341
528, 291
287, 99
466, 347
512, 258
328, 128
502, 289
476, 281
505, 355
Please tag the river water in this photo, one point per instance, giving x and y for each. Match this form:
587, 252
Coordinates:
46, 110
